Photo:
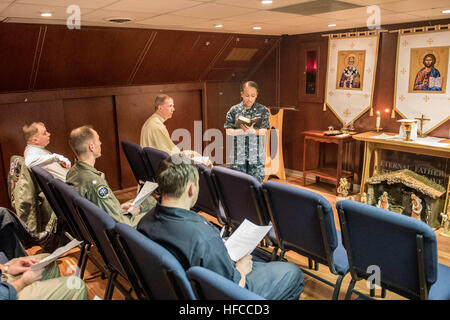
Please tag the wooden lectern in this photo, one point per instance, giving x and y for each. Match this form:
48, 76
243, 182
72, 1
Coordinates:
274, 162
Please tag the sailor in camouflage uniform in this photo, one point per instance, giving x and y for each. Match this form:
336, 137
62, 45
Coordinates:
91, 183
248, 151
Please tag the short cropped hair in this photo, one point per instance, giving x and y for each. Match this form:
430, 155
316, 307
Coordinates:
252, 84
161, 99
173, 175
79, 139
29, 130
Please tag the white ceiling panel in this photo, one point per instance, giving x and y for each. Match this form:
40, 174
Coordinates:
213, 11
256, 4
237, 16
159, 6
414, 5
34, 11
431, 13
92, 4
171, 20
3, 5
103, 15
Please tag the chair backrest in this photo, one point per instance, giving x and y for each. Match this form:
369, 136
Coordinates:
138, 164
404, 249
160, 274
303, 220
209, 285
154, 157
43, 178
3, 258
241, 196
98, 223
208, 199
66, 195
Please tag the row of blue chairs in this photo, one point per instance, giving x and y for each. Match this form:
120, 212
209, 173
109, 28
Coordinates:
404, 249
151, 270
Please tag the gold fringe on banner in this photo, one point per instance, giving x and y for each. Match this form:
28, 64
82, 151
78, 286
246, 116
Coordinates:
393, 113
371, 111
325, 106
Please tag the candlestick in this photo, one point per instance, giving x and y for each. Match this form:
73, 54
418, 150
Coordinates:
378, 121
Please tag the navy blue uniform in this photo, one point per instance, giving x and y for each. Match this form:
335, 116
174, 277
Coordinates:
196, 242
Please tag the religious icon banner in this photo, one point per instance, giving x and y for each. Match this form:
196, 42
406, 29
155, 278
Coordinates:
421, 84
351, 70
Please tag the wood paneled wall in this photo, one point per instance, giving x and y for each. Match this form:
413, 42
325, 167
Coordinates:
109, 77
115, 113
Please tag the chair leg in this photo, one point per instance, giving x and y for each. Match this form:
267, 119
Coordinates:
372, 292
274, 254
80, 260
281, 255
110, 286
383, 292
350, 289
310, 263
84, 260
316, 265
337, 288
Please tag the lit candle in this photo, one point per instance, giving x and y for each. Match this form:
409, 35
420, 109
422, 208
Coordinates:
378, 120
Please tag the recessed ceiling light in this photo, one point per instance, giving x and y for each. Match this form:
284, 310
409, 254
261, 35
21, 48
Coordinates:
46, 14
446, 11
218, 25
332, 25
257, 28
266, 1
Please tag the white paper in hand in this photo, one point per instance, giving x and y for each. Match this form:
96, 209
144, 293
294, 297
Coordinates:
245, 239
56, 254
146, 190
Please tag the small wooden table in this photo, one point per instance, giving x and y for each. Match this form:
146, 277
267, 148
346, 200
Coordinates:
334, 174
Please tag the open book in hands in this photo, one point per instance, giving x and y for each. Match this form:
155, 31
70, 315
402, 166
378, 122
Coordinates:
245, 239
146, 190
241, 120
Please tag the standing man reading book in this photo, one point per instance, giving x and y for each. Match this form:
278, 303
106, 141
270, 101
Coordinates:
91, 183
248, 153
196, 242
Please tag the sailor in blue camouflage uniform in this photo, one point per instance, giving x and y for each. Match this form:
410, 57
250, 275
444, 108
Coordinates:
248, 151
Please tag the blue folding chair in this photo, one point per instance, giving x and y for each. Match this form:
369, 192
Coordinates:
241, 197
304, 223
154, 157
43, 179
209, 285
99, 223
208, 199
3, 258
142, 171
401, 248
65, 196
153, 271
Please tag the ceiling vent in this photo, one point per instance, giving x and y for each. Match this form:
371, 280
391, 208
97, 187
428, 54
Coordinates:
119, 20
316, 7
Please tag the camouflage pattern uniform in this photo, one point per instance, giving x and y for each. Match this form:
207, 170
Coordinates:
91, 184
28, 200
248, 151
